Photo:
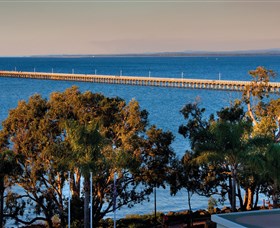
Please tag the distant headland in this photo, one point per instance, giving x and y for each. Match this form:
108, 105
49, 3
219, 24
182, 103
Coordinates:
190, 53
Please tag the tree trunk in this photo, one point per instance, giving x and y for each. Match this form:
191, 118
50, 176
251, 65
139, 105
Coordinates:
190, 207
245, 203
257, 197
86, 202
274, 195
2, 189
60, 180
189, 200
274, 200
76, 183
250, 112
233, 199
49, 221
240, 196
250, 199
230, 190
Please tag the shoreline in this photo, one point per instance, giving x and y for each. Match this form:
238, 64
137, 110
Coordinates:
158, 54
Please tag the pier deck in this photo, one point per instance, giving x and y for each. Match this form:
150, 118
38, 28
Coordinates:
140, 81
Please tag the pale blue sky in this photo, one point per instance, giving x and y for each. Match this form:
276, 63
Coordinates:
109, 27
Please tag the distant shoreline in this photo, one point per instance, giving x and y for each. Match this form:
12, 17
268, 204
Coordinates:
140, 56
159, 55
273, 52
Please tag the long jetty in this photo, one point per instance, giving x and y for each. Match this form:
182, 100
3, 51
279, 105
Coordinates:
140, 81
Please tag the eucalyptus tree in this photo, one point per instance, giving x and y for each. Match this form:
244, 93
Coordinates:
263, 108
256, 95
219, 145
86, 144
267, 165
271, 171
232, 133
136, 154
156, 157
236, 140
82, 132
8, 167
34, 139
188, 173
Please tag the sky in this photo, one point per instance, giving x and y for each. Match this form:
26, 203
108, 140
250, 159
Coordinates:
136, 26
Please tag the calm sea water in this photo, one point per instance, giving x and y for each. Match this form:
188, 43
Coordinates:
163, 104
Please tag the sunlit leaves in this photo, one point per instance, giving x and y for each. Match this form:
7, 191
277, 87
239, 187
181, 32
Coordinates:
83, 133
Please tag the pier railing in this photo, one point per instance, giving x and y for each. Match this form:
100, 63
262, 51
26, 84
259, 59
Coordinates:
140, 81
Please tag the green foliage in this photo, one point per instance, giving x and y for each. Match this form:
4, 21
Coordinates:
265, 114
8, 167
233, 150
212, 203
219, 148
156, 157
259, 85
269, 166
83, 133
85, 141
196, 127
146, 220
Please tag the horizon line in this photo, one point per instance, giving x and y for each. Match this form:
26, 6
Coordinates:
162, 53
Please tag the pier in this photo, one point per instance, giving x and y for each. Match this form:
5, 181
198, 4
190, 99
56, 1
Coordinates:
140, 81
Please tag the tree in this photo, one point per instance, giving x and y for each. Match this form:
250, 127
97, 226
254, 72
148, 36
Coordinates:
186, 174
157, 157
86, 144
35, 140
8, 166
236, 141
256, 92
82, 132
218, 143
268, 164
272, 172
232, 132
265, 115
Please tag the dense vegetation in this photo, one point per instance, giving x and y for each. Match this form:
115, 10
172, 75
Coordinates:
80, 133
90, 134
234, 149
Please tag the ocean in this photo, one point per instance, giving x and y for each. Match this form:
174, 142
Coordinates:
163, 104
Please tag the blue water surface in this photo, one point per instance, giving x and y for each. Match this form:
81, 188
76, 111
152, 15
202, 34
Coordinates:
163, 104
